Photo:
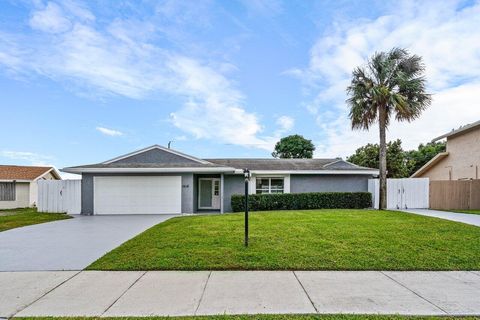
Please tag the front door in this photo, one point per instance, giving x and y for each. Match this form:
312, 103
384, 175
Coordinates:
209, 193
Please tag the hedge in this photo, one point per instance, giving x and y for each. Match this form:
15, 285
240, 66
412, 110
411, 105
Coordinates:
298, 201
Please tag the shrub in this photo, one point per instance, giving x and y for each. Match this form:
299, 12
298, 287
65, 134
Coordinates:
298, 201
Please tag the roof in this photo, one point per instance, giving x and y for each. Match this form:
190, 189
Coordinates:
288, 164
146, 165
130, 162
429, 164
155, 146
8, 172
461, 130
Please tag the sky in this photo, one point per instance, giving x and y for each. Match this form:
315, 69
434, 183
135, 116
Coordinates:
85, 81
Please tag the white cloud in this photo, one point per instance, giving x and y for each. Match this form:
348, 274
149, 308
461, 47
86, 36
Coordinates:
51, 19
440, 32
180, 138
286, 123
109, 132
214, 108
118, 59
31, 157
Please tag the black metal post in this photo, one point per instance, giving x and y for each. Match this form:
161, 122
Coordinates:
246, 206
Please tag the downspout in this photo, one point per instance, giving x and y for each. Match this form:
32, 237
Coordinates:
221, 193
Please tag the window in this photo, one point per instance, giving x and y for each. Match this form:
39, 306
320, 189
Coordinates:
7, 191
269, 185
216, 188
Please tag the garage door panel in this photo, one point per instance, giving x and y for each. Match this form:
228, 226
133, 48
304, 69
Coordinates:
137, 195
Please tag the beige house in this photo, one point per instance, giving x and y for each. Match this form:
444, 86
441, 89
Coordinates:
18, 184
461, 160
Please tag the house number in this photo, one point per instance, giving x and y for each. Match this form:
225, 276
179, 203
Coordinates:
184, 185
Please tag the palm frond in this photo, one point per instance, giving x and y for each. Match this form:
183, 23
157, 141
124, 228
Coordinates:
392, 80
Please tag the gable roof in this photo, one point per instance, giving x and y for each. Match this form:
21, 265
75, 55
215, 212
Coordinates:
143, 161
31, 173
461, 130
159, 147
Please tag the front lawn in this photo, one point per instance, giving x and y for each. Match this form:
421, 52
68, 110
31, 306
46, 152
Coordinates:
301, 240
14, 218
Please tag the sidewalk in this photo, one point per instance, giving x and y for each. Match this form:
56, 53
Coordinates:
473, 219
98, 293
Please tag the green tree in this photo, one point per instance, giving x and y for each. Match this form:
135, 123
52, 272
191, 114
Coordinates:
425, 152
369, 156
391, 85
294, 146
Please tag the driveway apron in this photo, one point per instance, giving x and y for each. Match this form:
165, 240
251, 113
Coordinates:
70, 244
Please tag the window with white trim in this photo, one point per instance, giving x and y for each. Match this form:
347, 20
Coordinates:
269, 185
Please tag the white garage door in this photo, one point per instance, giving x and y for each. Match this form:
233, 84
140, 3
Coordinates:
138, 195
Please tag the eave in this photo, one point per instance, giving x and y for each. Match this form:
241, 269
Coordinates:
149, 170
427, 166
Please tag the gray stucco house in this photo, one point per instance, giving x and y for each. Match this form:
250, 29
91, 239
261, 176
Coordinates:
158, 180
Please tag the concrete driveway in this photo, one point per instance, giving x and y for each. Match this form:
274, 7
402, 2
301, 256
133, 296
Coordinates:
70, 244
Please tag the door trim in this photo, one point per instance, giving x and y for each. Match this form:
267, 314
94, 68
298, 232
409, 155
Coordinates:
213, 186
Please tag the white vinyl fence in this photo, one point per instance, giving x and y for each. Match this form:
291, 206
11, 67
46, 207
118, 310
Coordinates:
59, 196
409, 193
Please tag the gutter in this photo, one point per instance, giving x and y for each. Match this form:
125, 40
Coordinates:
147, 170
340, 172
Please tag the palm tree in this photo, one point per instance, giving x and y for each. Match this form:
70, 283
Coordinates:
391, 84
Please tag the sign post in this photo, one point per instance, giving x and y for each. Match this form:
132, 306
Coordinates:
246, 173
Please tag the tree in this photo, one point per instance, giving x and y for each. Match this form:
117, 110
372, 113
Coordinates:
294, 146
368, 156
390, 85
425, 152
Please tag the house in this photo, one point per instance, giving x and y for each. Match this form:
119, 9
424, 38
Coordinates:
18, 184
460, 161
160, 180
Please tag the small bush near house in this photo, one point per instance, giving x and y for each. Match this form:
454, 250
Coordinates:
301, 201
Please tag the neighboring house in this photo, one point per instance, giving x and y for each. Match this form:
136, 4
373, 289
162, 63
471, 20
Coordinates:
158, 180
460, 161
18, 184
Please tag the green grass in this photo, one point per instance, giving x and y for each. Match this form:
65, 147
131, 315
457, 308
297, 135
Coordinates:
464, 211
265, 317
15, 218
301, 240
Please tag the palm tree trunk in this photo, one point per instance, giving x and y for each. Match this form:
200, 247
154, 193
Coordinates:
382, 116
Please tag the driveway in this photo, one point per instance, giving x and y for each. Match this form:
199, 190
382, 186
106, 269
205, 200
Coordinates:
70, 244
473, 219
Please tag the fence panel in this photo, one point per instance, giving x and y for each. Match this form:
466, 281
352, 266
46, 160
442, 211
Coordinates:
455, 194
402, 193
59, 196
475, 194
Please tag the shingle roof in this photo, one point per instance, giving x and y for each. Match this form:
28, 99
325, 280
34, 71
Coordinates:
288, 164
8, 172
159, 163
148, 165
251, 164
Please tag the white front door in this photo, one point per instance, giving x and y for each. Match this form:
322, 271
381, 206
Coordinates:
209, 193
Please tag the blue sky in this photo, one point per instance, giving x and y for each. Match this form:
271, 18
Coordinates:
85, 81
